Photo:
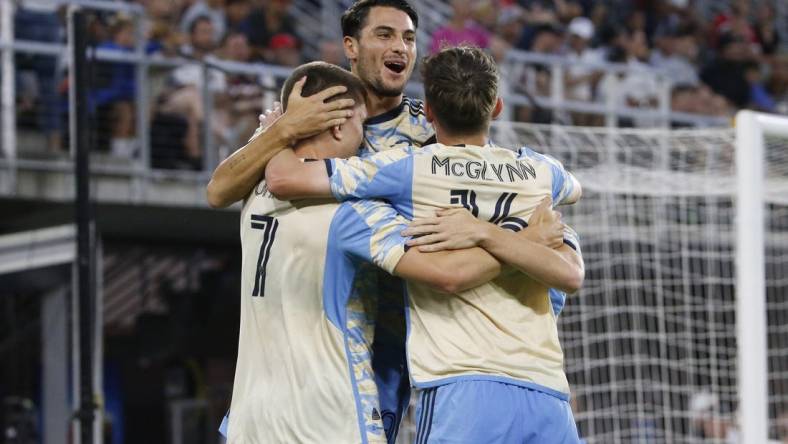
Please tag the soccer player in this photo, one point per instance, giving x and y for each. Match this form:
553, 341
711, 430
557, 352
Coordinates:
379, 38
488, 361
304, 372
379, 41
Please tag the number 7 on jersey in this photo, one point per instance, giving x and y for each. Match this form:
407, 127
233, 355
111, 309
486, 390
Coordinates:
268, 225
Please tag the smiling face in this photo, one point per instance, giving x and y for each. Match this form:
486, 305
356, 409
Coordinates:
383, 53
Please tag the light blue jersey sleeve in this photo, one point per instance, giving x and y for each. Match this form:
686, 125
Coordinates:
369, 231
564, 183
387, 175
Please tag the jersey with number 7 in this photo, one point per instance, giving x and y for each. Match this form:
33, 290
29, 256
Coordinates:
504, 330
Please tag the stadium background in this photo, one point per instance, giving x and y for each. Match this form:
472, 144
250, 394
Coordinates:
650, 342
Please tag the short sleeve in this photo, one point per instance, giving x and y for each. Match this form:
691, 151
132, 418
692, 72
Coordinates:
572, 239
370, 231
565, 187
386, 175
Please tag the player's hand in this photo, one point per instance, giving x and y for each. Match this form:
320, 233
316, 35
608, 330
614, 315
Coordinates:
450, 229
270, 116
545, 226
308, 116
267, 119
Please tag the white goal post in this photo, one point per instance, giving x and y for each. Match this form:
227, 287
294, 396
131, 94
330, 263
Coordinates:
752, 322
680, 332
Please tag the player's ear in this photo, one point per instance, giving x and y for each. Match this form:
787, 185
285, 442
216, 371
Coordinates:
428, 112
498, 108
350, 45
336, 133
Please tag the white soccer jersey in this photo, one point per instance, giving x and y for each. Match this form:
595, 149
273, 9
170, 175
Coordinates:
304, 370
503, 330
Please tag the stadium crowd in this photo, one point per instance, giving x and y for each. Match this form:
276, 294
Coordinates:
717, 63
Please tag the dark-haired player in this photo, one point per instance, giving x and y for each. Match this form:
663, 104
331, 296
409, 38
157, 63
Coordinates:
488, 360
304, 372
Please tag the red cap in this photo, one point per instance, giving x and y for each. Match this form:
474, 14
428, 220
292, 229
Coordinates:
283, 40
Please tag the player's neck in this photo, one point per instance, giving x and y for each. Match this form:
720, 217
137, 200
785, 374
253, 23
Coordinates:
315, 147
377, 105
450, 139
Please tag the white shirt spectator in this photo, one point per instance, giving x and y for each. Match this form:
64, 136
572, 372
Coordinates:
192, 75
581, 65
680, 70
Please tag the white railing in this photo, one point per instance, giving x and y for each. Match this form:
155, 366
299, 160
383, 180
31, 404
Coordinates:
515, 92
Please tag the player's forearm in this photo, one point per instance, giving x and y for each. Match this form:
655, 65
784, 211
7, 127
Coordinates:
550, 267
288, 177
468, 268
449, 271
235, 177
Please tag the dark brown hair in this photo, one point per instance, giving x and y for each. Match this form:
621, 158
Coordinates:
355, 18
461, 87
322, 75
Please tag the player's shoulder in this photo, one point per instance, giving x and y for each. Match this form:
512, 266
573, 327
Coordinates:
408, 107
414, 107
261, 201
528, 153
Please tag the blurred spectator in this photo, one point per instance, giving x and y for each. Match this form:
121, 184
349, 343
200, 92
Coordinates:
546, 39
113, 99
726, 74
508, 28
332, 52
782, 428
766, 29
461, 29
710, 420
636, 87
36, 80
176, 135
284, 50
158, 25
272, 18
581, 78
200, 41
778, 83
214, 10
244, 93
699, 99
760, 100
736, 22
676, 53
238, 15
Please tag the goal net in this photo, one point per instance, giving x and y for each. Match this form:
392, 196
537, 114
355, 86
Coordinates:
651, 339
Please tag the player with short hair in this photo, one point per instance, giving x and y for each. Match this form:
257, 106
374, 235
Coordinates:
304, 370
379, 41
488, 361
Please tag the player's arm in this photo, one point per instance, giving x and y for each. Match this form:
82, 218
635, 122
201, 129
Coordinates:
572, 190
529, 251
289, 177
370, 230
235, 177
448, 271
379, 176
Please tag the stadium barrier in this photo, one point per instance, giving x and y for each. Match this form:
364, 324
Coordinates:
22, 149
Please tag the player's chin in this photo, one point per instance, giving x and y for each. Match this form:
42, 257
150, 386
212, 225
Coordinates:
393, 87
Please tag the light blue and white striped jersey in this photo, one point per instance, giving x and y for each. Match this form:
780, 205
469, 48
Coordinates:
505, 329
304, 369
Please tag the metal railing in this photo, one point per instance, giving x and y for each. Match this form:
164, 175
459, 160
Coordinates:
139, 168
